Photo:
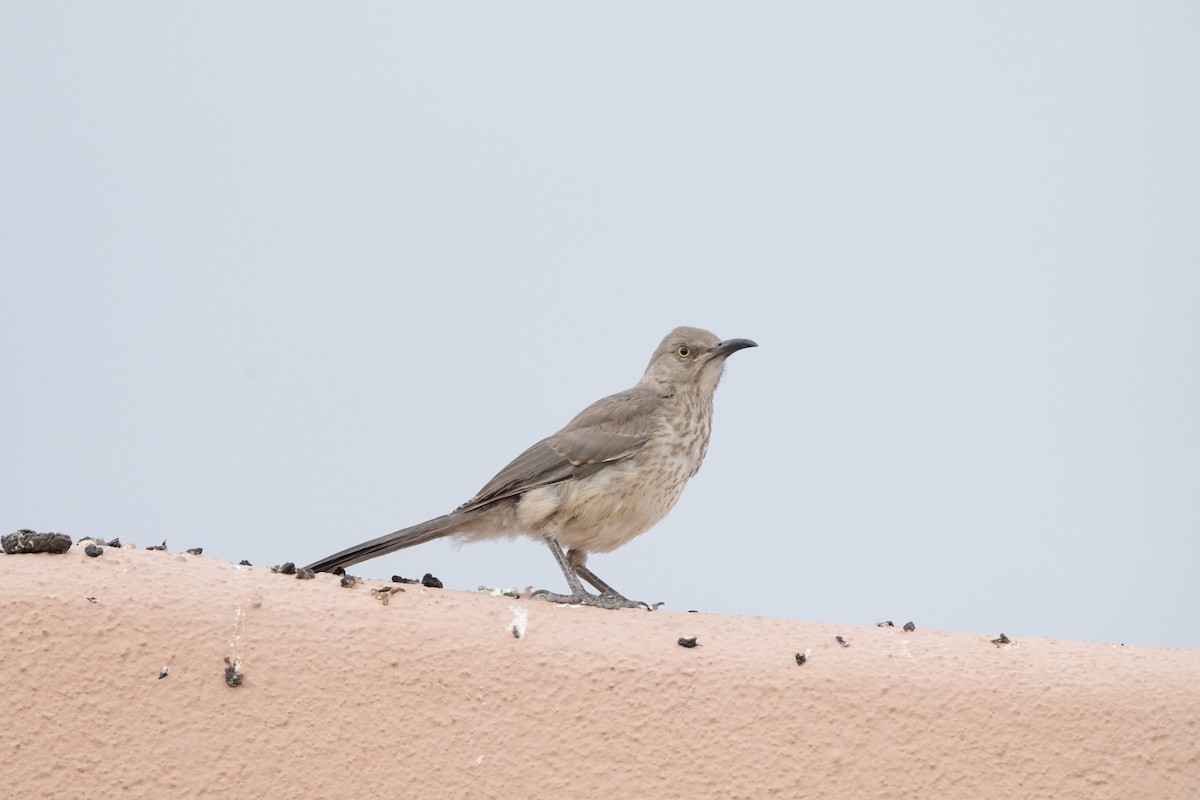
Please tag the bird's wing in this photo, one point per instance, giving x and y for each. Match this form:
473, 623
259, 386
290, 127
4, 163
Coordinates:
607, 431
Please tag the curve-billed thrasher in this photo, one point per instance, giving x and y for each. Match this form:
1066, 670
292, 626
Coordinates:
608, 476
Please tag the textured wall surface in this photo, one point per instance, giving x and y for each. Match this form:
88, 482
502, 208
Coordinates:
432, 695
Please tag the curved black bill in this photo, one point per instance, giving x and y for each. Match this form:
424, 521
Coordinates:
730, 346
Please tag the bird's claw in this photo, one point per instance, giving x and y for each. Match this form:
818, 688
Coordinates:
609, 600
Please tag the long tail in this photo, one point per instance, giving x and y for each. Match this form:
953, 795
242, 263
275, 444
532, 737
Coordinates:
426, 531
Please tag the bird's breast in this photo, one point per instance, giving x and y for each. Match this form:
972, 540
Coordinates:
613, 505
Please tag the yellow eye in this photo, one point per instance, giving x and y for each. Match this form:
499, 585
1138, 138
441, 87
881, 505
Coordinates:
683, 351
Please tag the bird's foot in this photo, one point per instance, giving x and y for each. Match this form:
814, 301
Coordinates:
606, 600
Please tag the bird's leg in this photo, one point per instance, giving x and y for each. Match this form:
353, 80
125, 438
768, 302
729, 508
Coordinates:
579, 595
594, 580
606, 590
566, 566
578, 560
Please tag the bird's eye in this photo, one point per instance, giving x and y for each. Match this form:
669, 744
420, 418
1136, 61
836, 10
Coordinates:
683, 351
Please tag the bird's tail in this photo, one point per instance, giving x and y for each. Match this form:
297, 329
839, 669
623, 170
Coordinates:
426, 531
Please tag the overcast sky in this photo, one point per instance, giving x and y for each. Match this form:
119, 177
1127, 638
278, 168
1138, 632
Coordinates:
282, 277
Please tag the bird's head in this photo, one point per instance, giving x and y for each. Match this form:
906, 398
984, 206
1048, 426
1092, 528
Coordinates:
690, 357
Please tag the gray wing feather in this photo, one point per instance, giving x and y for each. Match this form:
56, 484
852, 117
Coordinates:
609, 430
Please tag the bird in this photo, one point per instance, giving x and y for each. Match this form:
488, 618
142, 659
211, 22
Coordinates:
609, 475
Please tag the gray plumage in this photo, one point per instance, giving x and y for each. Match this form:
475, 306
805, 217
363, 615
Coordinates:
609, 475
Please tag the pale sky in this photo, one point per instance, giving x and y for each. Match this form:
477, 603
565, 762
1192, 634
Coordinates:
282, 277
